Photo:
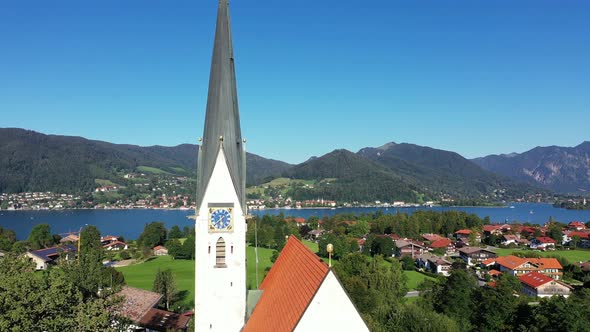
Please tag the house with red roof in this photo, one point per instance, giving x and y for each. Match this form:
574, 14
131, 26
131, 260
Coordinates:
474, 255
301, 293
409, 247
160, 251
576, 226
509, 239
115, 246
299, 221
543, 243
444, 243
518, 266
464, 234
539, 285
434, 264
583, 238
431, 237
495, 229
494, 273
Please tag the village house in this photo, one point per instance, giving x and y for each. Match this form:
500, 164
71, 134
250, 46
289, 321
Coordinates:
160, 251
576, 226
434, 264
492, 229
409, 247
139, 306
443, 243
474, 255
44, 257
543, 243
315, 234
518, 266
464, 234
540, 285
582, 237
115, 246
509, 239
431, 237
299, 221
70, 238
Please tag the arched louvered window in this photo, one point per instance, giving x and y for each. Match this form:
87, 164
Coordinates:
220, 253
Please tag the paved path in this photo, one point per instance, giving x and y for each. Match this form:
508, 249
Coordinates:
412, 294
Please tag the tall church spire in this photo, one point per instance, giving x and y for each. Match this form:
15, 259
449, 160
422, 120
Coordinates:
222, 132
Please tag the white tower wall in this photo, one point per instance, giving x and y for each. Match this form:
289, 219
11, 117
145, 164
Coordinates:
220, 299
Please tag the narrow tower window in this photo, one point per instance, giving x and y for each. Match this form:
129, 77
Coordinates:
220, 253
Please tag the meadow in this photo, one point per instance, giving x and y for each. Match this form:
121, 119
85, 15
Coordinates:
142, 275
572, 256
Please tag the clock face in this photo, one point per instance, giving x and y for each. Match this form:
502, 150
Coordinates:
220, 219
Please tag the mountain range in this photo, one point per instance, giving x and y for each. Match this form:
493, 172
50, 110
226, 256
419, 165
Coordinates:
561, 169
31, 161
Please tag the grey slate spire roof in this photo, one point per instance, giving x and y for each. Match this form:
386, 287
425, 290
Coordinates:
222, 120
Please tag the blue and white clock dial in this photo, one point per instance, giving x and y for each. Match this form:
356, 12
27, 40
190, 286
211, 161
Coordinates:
221, 219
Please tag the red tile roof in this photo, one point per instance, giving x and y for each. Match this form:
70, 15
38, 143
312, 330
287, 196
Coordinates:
511, 262
298, 220
442, 243
288, 289
582, 235
489, 261
577, 224
535, 279
546, 263
432, 237
114, 243
159, 248
463, 231
545, 239
494, 272
491, 228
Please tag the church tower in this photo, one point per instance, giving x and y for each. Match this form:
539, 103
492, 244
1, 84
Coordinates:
220, 249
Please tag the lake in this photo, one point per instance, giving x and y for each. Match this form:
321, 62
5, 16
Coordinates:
130, 223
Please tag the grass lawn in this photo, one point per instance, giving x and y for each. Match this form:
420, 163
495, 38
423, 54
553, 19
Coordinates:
153, 170
142, 275
104, 183
571, 255
264, 255
312, 246
415, 278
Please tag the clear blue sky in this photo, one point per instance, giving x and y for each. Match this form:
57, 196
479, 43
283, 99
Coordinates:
475, 77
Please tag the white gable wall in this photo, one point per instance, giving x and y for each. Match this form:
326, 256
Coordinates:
331, 310
220, 299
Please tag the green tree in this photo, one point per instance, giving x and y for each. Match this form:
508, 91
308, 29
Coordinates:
175, 249
153, 234
40, 236
454, 297
359, 229
49, 301
555, 233
411, 317
165, 284
407, 263
175, 232
87, 272
341, 246
188, 248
